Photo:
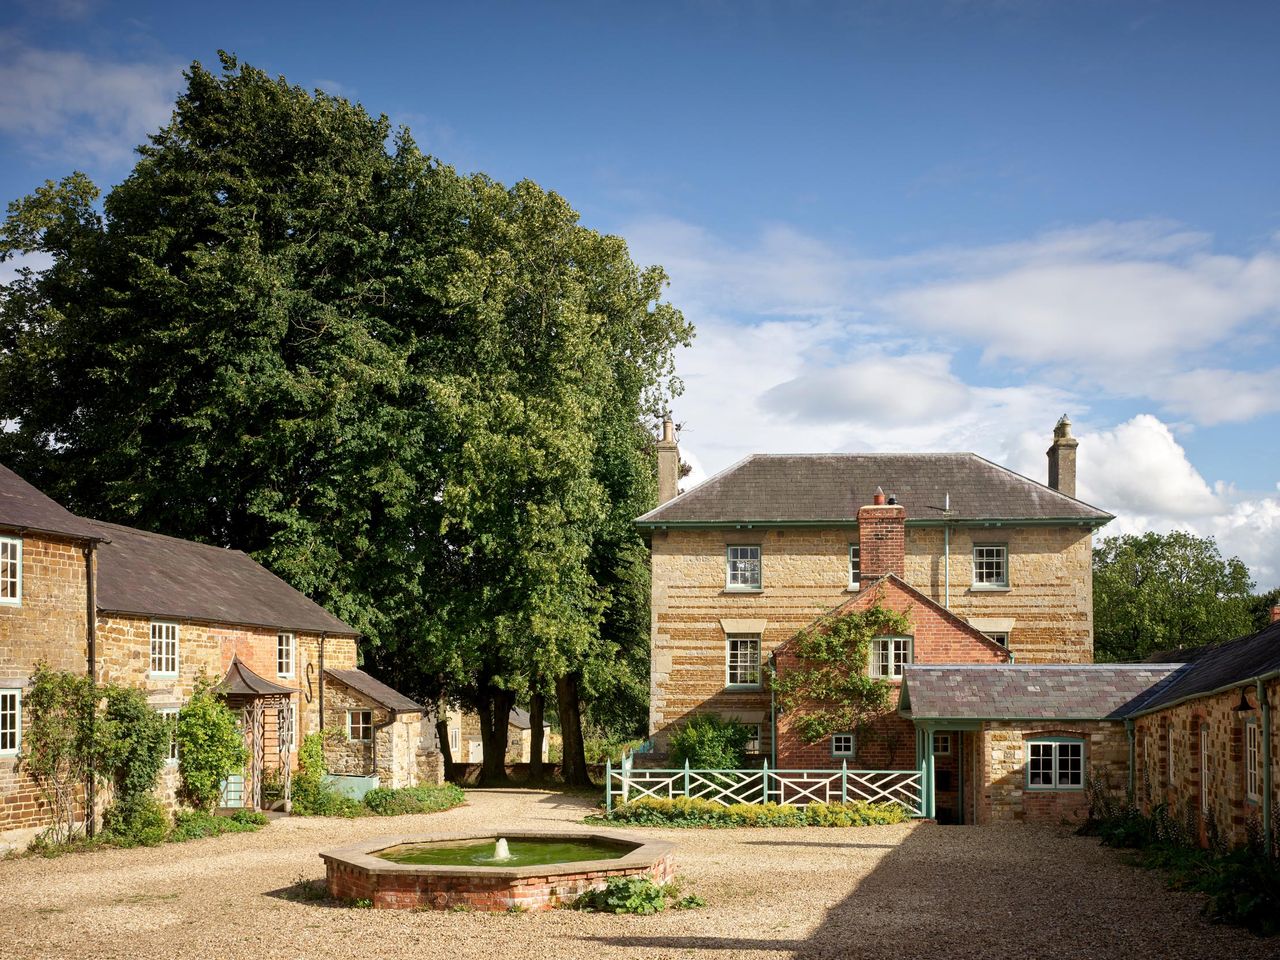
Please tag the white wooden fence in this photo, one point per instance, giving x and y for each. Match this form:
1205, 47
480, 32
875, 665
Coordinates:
799, 788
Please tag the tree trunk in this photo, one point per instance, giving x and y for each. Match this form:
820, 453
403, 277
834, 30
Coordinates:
573, 760
536, 771
442, 734
495, 712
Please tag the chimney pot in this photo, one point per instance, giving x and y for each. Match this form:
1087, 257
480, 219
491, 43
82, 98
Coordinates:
878, 497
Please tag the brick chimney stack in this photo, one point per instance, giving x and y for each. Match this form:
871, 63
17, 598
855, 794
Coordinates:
1062, 458
1275, 614
668, 462
882, 537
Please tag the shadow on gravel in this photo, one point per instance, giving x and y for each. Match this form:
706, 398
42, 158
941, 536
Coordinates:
697, 943
814, 843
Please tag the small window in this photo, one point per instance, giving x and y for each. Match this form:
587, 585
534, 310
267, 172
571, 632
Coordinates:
360, 726
990, 565
286, 646
170, 715
753, 744
164, 649
1251, 755
1055, 765
855, 566
743, 655
742, 568
1204, 768
455, 739
842, 744
11, 570
889, 655
1000, 638
942, 744
287, 725
10, 722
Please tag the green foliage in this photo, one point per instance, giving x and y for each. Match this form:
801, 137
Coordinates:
1260, 607
133, 741
195, 824
695, 812
830, 690
624, 895
135, 821
59, 743
308, 890
604, 747
210, 746
708, 742
423, 799
1163, 591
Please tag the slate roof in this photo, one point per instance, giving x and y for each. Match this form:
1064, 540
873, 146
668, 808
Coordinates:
23, 507
241, 681
1223, 665
158, 576
375, 690
1095, 691
813, 487
520, 719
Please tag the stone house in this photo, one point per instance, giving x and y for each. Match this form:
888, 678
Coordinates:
154, 612
760, 551
467, 746
1207, 747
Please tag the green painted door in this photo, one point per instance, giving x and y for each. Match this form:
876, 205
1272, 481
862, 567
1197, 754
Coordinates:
233, 791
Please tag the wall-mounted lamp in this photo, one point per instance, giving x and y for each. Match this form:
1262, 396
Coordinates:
1243, 705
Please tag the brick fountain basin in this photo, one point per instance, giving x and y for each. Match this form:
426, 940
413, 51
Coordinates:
357, 872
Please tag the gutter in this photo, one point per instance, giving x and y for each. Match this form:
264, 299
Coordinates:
845, 522
1261, 678
91, 638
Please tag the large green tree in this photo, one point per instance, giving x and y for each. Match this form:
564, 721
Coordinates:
417, 396
1162, 591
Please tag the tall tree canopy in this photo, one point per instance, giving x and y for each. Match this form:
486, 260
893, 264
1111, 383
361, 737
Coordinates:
1163, 591
419, 397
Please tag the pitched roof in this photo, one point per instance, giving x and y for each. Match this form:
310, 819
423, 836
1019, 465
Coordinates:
158, 576
816, 487
375, 690
520, 719
241, 681
23, 507
1092, 691
1223, 665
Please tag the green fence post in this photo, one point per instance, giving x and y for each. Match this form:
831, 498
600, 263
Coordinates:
686, 776
844, 781
764, 781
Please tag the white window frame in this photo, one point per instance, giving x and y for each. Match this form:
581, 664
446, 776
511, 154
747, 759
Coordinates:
16, 712
730, 663
1204, 767
733, 575
753, 744
855, 566
1001, 556
351, 726
455, 741
890, 655
171, 716
843, 744
289, 714
159, 629
945, 740
286, 654
998, 636
1055, 746
11, 595
1252, 761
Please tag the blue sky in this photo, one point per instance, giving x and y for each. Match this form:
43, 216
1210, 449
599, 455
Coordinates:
918, 224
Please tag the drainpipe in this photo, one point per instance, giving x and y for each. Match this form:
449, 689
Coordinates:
1128, 729
91, 639
1268, 828
322, 636
773, 721
946, 553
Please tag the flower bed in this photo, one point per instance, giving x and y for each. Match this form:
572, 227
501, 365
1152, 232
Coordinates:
693, 812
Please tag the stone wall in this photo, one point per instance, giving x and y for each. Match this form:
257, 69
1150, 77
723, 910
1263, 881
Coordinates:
49, 624
1002, 757
402, 752
805, 574
1175, 779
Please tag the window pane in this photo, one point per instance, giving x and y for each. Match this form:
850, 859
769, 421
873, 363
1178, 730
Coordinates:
10, 568
744, 566
855, 564
744, 660
1070, 764
842, 744
989, 565
1040, 766
9, 716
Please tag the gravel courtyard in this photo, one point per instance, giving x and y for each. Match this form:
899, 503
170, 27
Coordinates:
914, 890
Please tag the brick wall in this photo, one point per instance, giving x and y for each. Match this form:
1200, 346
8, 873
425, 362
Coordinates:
1003, 795
1175, 779
805, 573
50, 625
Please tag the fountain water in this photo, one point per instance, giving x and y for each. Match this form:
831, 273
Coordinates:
500, 850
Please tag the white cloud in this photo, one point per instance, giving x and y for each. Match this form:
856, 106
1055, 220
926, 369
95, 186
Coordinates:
1212, 396
91, 112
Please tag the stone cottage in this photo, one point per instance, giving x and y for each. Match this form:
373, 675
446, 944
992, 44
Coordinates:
467, 746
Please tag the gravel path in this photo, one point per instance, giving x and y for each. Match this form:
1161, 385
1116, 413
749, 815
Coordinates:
912, 890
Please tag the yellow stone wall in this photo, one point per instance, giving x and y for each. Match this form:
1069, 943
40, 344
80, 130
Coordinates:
805, 573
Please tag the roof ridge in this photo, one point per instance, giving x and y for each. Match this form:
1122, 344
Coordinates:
162, 536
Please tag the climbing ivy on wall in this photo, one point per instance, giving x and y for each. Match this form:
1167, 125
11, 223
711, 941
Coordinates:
829, 688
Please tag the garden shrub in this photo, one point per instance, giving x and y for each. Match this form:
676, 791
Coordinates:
133, 742
59, 745
708, 742
137, 821
695, 812
309, 795
195, 824
386, 802
210, 746
624, 895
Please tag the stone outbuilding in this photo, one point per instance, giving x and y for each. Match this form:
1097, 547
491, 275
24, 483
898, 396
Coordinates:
387, 735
